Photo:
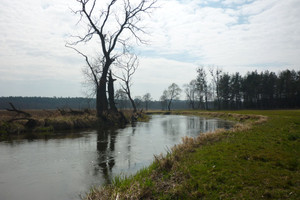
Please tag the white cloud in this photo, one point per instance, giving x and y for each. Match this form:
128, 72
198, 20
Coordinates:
235, 2
34, 35
215, 35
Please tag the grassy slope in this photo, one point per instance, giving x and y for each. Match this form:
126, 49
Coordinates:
258, 163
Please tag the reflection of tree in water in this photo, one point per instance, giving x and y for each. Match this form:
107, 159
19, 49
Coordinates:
106, 139
106, 147
207, 125
192, 123
204, 124
129, 144
171, 126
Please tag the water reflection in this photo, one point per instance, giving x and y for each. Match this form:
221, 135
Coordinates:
62, 168
171, 125
105, 149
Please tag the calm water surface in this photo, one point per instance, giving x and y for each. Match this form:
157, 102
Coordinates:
66, 168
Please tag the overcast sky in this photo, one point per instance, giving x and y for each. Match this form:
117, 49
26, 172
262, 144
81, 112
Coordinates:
235, 35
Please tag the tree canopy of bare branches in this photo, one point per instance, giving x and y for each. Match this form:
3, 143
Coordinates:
128, 67
172, 93
113, 24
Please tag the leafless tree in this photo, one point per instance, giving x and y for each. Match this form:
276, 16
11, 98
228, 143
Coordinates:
128, 67
147, 98
164, 100
202, 85
114, 26
216, 76
191, 92
172, 93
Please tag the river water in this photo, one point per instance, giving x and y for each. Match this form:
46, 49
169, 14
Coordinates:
65, 168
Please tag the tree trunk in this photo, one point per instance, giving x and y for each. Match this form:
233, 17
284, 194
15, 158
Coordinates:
132, 102
169, 105
206, 104
101, 97
111, 94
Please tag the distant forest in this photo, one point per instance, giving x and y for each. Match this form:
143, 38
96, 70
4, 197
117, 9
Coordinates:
28, 103
265, 90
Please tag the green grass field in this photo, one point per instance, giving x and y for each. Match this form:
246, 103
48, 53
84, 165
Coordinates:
258, 161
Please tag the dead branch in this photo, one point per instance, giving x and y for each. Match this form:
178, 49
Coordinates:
27, 115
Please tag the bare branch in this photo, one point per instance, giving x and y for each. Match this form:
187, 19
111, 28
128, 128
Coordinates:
88, 63
18, 111
91, 11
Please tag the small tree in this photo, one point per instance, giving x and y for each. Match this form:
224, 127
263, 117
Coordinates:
147, 98
164, 100
191, 93
172, 93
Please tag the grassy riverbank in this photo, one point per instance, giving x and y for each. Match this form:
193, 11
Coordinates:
258, 159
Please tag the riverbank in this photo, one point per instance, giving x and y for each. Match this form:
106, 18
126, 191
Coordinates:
257, 159
45, 123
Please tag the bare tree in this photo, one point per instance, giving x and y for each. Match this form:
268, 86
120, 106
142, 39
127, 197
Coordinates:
164, 100
128, 68
173, 92
147, 98
110, 25
202, 85
191, 93
216, 76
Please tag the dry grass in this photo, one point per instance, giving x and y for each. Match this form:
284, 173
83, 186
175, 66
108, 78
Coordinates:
43, 121
53, 120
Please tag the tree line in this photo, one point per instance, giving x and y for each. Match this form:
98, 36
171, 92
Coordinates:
211, 90
265, 90
33, 103
80, 103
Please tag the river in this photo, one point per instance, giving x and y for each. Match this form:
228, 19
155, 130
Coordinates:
65, 168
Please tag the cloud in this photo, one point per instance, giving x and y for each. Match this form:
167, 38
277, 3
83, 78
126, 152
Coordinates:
236, 35
235, 2
258, 32
34, 37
